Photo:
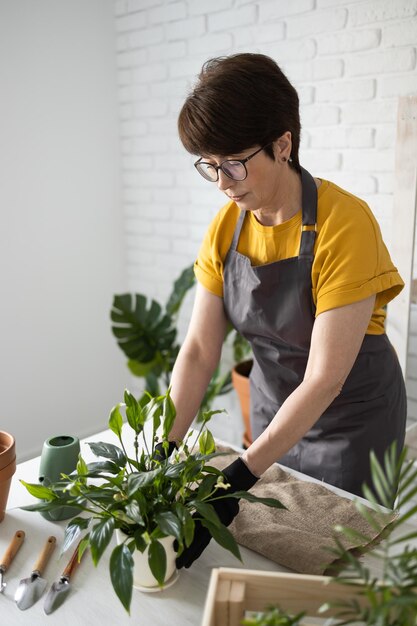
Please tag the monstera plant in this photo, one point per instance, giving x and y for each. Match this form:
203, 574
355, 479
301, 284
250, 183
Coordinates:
146, 332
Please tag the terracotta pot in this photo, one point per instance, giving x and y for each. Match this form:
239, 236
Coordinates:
143, 579
7, 468
7, 449
240, 380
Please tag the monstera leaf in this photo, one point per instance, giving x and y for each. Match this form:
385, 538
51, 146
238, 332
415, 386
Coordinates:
142, 332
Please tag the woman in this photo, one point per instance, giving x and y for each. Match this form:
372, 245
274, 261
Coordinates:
299, 267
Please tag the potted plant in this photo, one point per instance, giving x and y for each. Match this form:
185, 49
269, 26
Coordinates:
147, 334
144, 496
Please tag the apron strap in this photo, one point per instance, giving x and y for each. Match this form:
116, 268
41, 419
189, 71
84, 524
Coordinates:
309, 215
238, 228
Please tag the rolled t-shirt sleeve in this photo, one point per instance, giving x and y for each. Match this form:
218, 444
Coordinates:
203, 271
208, 267
352, 262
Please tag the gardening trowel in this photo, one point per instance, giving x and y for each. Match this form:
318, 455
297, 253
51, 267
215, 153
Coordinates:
9, 555
59, 590
31, 589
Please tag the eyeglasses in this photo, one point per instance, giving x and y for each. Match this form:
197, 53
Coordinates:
233, 168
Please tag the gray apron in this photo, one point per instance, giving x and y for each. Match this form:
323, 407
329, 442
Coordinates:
272, 306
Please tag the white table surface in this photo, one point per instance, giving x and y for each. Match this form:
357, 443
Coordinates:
92, 599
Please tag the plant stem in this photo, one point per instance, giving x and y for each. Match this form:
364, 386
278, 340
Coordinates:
136, 446
100, 506
125, 453
198, 436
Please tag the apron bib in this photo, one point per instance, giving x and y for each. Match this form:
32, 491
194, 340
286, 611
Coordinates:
272, 307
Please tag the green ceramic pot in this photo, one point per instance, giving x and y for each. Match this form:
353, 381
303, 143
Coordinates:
59, 456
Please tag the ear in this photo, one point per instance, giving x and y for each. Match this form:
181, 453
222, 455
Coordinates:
283, 146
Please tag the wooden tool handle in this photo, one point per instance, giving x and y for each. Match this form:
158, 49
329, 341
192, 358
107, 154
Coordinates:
45, 554
13, 549
72, 564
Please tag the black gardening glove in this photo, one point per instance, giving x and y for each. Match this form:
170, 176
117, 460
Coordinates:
159, 453
240, 478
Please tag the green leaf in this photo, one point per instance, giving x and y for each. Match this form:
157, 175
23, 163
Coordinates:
73, 529
141, 370
82, 468
133, 412
390, 463
116, 421
223, 537
140, 542
187, 523
157, 560
207, 512
353, 534
83, 545
106, 467
174, 470
206, 486
385, 493
141, 333
138, 480
403, 538
100, 536
130, 400
102, 495
168, 414
182, 285
250, 497
156, 420
241, 348
169, 523
54, 505
151, 406
109, 451
152, 383
206, 442
38, 491
207, 415
121, 574
133, 511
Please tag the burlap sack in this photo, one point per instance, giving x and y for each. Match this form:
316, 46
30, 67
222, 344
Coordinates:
299, 537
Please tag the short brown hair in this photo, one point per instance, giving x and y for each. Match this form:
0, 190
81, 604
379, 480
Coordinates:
240, 101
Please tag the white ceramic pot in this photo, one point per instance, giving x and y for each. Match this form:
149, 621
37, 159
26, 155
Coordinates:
143, 579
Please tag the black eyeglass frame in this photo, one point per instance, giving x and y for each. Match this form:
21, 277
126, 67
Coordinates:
220, 167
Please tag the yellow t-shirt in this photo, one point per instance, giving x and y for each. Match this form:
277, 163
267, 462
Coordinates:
351, 261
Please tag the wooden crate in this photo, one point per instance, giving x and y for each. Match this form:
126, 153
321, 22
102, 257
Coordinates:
231, 592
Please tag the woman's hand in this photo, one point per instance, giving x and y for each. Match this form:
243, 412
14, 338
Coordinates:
239, 478
161, 454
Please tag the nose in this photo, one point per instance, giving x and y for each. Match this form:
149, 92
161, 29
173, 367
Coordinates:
224, 181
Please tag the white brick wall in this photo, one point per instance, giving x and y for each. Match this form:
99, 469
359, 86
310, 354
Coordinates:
349, 59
